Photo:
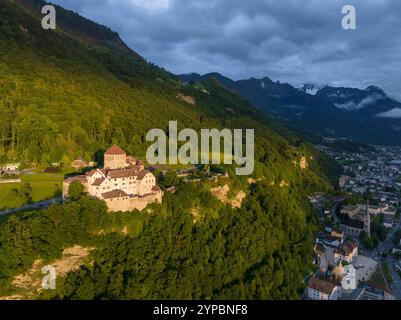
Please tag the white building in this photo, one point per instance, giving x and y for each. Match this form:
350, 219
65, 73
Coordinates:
349, 280
322, 289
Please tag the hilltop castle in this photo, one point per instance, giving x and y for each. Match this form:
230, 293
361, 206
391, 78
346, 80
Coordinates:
123, 183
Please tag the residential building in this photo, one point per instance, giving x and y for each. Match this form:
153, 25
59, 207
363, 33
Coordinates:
346, 252
79, 163
322, 289
350, 211
388, 221
390, 211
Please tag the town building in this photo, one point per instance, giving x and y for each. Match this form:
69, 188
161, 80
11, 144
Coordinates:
343, 181
350, 211
123, 183
79, 163
376, 292
388, 221
390, 211
352, 227
346, 252
322, 289
10, 167
349, 279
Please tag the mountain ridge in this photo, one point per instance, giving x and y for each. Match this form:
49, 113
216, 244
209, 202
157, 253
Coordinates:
340, 112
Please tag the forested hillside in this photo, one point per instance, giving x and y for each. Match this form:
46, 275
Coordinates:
66, 97
79, 89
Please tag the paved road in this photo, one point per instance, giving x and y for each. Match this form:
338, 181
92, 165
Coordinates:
396, 284
36, 205
334, 209
388, 243
386, 246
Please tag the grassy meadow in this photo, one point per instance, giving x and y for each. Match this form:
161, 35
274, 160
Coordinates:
44, 186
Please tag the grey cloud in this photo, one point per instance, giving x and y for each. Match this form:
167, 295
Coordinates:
351, 105
394, 113
289, 40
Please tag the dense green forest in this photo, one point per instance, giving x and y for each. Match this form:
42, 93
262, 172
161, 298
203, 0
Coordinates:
260, 251
79, 89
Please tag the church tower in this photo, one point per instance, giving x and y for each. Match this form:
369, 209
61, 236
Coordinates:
366, 220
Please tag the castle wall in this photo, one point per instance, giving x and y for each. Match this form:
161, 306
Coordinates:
133, 203
119, 204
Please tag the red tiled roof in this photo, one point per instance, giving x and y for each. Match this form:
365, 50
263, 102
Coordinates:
131, 160
98, 182
346, 248
91, 173
141, 174
122, 173
115, 150
114, 194
323, 286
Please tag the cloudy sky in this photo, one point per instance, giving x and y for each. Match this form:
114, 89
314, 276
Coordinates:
295, 41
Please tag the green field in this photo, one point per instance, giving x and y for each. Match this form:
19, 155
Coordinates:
44, 186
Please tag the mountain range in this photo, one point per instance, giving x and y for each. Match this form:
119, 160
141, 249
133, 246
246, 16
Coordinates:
366, 115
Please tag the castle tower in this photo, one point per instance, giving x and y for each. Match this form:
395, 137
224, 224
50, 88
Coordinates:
115, 158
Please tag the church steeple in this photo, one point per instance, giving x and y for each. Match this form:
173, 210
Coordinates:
366, 219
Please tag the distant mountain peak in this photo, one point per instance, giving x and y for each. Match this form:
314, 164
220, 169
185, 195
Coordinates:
265, 81
376, 90
310, 88
352, 99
